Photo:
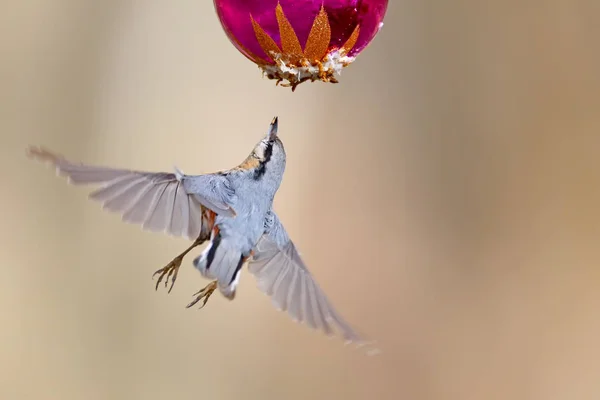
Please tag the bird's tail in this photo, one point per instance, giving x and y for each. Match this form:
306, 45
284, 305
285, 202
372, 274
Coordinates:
221, 260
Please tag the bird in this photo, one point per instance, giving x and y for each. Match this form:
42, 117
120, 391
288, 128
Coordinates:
232, 210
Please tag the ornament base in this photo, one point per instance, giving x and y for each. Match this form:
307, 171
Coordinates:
292, 75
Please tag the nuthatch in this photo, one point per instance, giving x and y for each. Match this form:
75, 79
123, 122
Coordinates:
233, 210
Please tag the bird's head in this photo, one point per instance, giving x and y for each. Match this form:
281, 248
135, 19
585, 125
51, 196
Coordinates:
271, 147
270, 154
268, 158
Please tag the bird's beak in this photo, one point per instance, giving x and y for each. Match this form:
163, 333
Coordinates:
272, 133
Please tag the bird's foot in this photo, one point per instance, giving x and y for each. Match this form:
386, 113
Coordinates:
171, 269
204, 294
169, 272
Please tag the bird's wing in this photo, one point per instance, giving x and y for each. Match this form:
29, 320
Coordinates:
157, 201
283, 276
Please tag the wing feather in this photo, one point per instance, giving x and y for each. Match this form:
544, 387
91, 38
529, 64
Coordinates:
180, 218
280, 287
161, 216
195, 216
307, 304
150, 221
114, 188
127, 197
138, 212
317, 309
294, 295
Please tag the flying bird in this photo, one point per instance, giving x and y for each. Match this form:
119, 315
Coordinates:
233, 211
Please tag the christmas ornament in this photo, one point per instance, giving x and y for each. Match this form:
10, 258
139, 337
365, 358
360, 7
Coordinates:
294, 41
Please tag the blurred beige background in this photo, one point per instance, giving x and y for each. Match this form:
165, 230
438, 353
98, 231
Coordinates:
445, 194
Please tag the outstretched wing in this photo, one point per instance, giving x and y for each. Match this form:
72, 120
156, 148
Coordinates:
282, 274
158, 201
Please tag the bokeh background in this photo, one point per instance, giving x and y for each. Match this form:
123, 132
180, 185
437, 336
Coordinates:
445, 195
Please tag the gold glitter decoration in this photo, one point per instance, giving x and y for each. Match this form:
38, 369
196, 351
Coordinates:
264, 40
319, 37
351, 40
289, 41
294, 65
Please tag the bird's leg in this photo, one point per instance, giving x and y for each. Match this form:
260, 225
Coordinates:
204, 294
172, 268
211, 287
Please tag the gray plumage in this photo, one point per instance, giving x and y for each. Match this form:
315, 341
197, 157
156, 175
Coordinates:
244, 227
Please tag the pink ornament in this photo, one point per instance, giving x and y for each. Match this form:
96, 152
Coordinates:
300, 40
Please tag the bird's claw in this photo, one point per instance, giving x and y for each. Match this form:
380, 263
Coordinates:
203, 294
168, 272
